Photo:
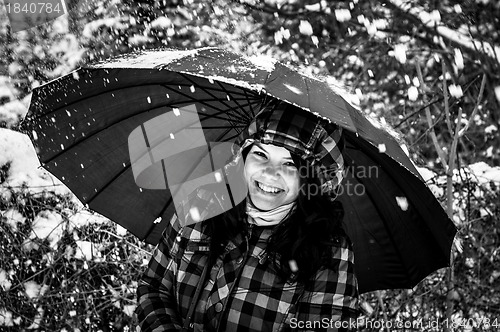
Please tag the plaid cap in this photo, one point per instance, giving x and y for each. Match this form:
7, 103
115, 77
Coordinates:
313, 138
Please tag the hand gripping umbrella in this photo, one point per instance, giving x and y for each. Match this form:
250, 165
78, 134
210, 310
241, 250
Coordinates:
87, 125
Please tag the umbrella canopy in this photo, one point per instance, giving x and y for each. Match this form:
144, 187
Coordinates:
82, 123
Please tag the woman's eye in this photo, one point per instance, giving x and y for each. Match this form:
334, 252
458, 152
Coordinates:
290, 164
260, 154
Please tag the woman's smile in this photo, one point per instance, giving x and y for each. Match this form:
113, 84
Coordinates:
268, 189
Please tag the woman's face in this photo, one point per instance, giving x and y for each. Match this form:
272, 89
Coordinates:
271, 175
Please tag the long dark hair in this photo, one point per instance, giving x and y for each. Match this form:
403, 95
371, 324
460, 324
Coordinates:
306, 237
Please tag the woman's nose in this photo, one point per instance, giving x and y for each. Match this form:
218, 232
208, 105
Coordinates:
273, 171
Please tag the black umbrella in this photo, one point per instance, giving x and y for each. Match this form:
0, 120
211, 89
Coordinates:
81, 125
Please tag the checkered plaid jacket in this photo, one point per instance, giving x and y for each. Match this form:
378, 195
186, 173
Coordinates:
242, 291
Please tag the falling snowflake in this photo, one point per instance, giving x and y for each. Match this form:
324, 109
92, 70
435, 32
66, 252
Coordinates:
195, 214
459, 59
455, 91
400, 52
402, 203
497, 93
293, 265
32, 289
280, 35
412, 93
435, 16
218, 176
305, 28
342, 15
5, 283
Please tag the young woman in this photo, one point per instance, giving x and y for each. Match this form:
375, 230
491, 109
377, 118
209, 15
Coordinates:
280, 259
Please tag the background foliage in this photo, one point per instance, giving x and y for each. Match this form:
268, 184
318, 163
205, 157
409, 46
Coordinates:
81, 274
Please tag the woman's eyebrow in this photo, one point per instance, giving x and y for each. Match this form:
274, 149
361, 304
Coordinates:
262, 148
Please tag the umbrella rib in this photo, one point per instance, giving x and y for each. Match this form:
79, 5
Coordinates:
223, 90
117, 175
235, 100
193, 166
219, 127
215, 115
223, 102
249, 104
206, 116
241, 120
128, 164
87, 137
224, 134
54, 110
229, 138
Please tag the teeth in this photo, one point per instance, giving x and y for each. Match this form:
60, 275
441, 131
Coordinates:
268, 189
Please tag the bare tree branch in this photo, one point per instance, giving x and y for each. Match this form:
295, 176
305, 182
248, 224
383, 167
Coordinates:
476, 107
439, 150
445, 95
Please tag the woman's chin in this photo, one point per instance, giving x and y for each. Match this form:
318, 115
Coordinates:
264, 200
263, 204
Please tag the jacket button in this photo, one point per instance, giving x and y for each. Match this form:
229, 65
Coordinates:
218, 307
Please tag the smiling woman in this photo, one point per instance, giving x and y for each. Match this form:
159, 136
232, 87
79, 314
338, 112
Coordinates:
279, 256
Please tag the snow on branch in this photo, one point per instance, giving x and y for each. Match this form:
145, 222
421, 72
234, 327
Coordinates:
428, 20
